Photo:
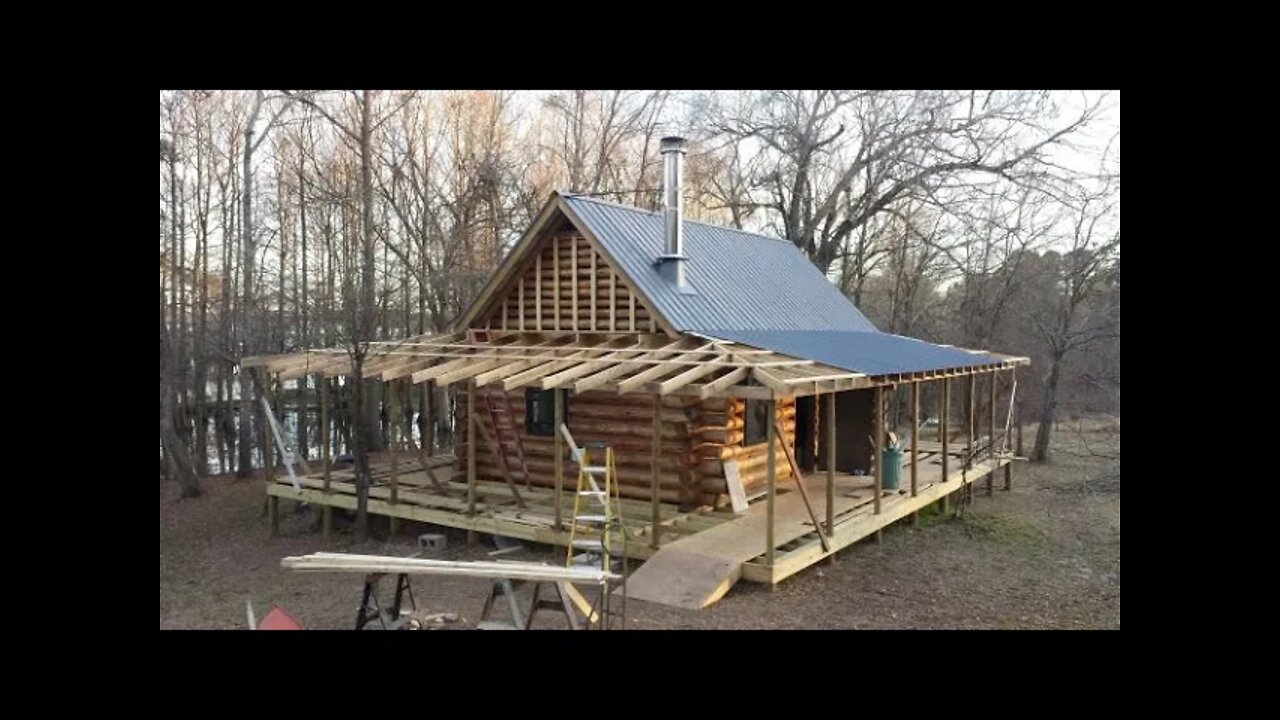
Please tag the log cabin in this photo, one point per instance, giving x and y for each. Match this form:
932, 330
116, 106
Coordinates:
743, 396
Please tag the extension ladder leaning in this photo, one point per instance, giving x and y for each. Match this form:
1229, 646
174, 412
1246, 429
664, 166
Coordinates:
602, 516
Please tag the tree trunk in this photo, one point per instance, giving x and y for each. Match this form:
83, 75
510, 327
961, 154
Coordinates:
245, 465
179, 460
1040, 453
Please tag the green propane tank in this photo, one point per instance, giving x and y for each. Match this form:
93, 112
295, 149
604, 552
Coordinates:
891, 478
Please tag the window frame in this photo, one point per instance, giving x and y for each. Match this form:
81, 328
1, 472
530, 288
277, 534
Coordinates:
532, 396
761, 407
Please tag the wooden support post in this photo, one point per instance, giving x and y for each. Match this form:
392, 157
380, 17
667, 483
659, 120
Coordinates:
944, 424
273, 512
992, 439
831, 464
915, 443
1008, 469
1017, 410
472, 440
772, 479
559, 448
268, 447
971, 426
879, 458
653, 486
393, 415
327, 512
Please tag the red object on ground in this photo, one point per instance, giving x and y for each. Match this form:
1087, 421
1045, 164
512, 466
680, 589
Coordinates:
278, 619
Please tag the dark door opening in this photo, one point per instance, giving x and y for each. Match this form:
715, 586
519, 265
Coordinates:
806, 435
853, 431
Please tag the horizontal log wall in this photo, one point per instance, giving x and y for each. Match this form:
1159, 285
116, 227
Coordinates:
625, 422
719, 438
569, 286
698, 436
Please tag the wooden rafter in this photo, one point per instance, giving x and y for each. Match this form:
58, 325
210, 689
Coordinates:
621, 368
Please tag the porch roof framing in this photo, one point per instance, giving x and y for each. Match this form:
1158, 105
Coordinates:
649, 363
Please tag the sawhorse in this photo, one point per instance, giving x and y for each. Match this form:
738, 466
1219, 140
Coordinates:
370, 610
519, 621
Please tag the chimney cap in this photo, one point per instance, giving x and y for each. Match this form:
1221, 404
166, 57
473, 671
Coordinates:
672, 143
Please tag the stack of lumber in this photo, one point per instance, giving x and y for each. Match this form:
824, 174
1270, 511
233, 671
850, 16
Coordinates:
534, 572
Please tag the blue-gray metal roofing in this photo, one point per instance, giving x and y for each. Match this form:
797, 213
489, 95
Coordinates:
759, 291
742, 280
870, 353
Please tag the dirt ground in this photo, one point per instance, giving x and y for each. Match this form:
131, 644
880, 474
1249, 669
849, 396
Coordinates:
1046, 555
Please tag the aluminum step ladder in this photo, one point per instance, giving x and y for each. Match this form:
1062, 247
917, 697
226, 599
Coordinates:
600, 517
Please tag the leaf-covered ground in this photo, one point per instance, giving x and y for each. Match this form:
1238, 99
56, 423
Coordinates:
1046, 555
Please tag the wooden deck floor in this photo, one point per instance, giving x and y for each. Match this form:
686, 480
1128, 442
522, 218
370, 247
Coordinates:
710, 550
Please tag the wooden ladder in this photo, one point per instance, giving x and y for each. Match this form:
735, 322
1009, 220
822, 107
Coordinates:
503, 431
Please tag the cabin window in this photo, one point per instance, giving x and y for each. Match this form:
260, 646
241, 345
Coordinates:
540, 411
756, 428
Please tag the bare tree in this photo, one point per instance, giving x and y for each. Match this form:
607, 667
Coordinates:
1078, 317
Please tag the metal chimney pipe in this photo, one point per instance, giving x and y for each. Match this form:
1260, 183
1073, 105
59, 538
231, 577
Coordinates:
672, 259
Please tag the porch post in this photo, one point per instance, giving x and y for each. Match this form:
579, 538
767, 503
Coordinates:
394, 389
992, 452
915, 443
323, 386
472, 432
558, 396
772, 479
944, 423
880, 433
656, 443
831, 464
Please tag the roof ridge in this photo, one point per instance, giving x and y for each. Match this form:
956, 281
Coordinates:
633, 208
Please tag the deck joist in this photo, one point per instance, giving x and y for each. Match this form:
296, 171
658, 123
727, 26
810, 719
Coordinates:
737, 537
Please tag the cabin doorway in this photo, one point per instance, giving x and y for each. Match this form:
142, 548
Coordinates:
806, 432
853, 431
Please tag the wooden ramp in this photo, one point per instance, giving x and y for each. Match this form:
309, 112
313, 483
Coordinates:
697, 570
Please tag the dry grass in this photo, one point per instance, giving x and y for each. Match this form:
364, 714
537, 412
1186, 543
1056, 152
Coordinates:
1046, 555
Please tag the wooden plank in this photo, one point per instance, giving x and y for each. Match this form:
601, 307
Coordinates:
466, 371
594, 290
772, 480
472, 442
613, 300
514, 570
655, 443
631, 297
915, 434
518, 364
737, 494
683, 579
520, 291
799, 482
831, 462
944, 425
771, 381
666, 387
573, 280
879, 444
559, 459
599, 378
576, 370
991, 438
720, 384
555, 279
546, 368
853, 527
644, 376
